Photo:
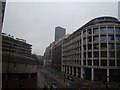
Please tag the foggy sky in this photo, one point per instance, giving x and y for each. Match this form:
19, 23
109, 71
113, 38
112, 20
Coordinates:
36, 21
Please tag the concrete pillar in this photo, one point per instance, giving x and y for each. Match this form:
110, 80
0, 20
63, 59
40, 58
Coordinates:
82, 72
76, 71
107, 75
29, 75
72, 70
69, 70
92, 74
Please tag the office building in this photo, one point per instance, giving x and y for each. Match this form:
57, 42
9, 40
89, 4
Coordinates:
59, 33
93, 51
19, 68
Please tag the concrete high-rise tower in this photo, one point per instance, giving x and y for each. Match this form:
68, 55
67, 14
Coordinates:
59, 33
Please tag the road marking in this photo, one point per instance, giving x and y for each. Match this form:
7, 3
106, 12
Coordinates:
57, 79
47, 84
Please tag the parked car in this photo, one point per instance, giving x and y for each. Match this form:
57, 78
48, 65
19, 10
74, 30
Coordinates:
53, 85
70, 78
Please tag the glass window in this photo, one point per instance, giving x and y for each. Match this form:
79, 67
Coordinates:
84, 62
84, 47
84, 33
110, 29
84, 40
103, 30
103, 62
80, 55
96, 54
110, 37
111, 62
103, 38
96, 38
95, 30
89, 31
118, 54
89, 39
118, 46
118, 62
96, 46
111, 54
96, 62
117, 29
89, 62
103, 45
110, 46
89, 54
117, 38
89, 46
103, 53
84, 55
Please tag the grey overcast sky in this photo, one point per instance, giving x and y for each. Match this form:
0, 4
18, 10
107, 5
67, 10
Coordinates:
36, 21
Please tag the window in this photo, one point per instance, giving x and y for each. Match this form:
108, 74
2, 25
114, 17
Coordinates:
89, 39
103, 30
103, 62
118, 54
96, 54
89, 54
89, 62
89, 31
103, 53
96, 38
80, 62
110, 29
80, 55
110, 46
118, 46
84, 62
95, 30
118, 62
110, 37
96, 62
84, 40
96, 46
89, 46
84, 55
117, 38
117, 29
84, 47
111, 62
84, 33
103, 38
103, 45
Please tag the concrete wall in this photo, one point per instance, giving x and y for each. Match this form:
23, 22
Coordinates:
19, 67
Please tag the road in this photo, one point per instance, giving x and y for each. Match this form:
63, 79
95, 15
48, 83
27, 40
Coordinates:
45, 79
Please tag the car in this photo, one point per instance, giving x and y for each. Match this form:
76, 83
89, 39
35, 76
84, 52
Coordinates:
53, 85
70, 78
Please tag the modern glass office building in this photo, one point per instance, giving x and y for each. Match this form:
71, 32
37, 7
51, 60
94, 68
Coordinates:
93, 51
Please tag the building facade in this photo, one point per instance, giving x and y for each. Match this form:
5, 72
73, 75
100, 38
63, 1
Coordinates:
19, 69
59, 33
93, 51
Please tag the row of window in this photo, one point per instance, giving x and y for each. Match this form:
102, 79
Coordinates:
96, 39
102, 30
95, 62
95, 47
104, 54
